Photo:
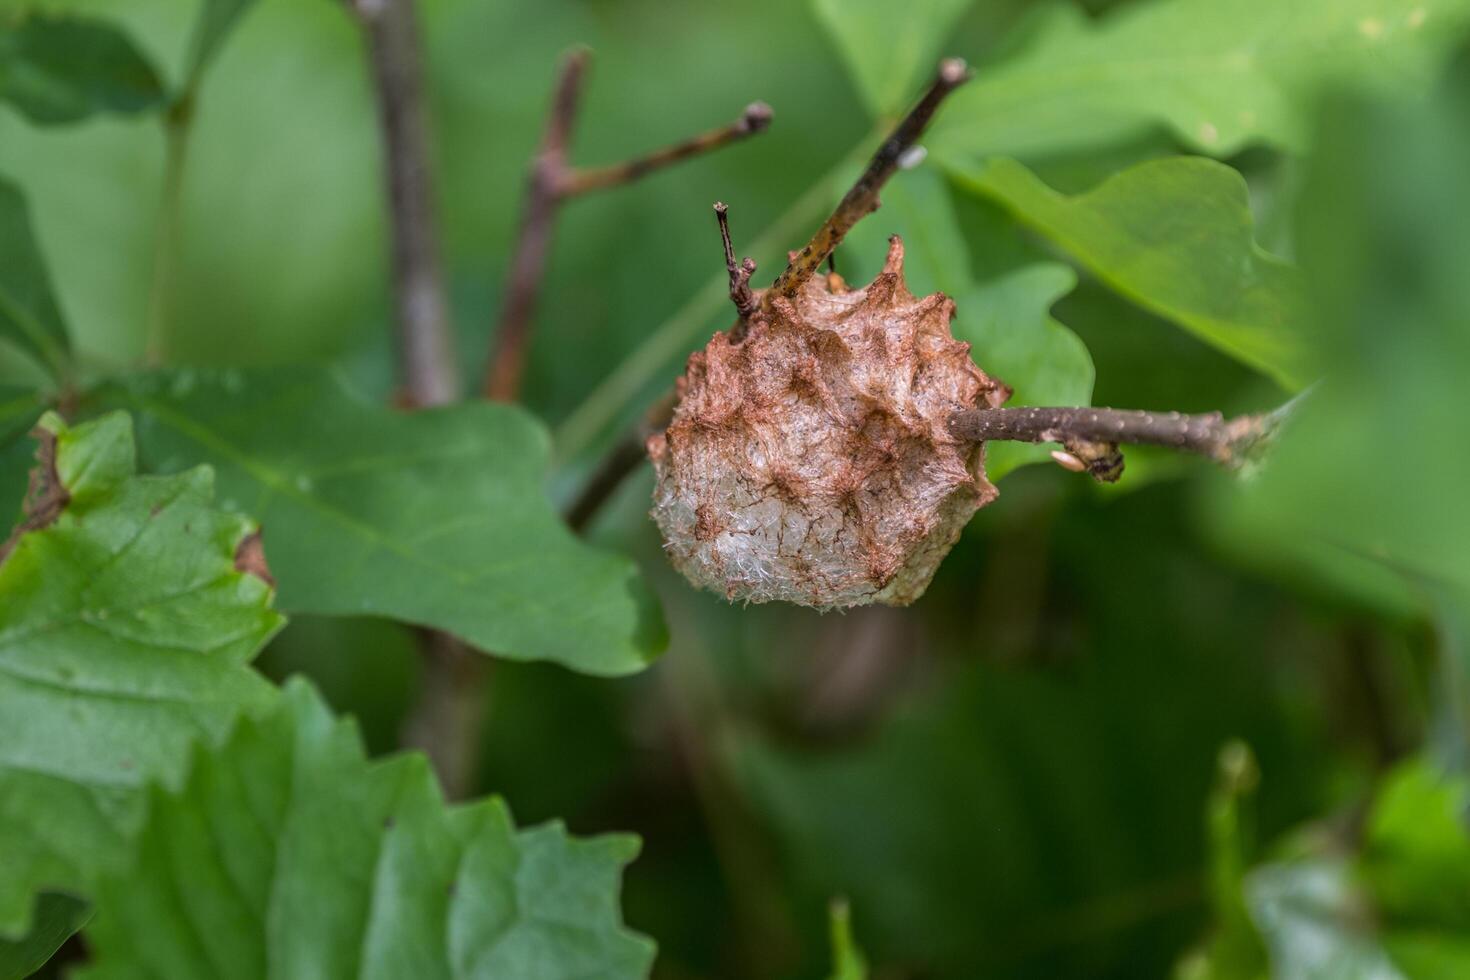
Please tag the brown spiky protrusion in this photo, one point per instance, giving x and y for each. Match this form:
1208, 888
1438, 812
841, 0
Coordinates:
813, 462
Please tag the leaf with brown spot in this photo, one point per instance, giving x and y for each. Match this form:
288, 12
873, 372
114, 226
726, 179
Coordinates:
126, 632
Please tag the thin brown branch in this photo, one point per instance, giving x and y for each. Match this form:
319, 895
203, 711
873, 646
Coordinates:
756, 117
1092, 435
862, 199
740, 294
533, 240
446, 719
554, 180
425, 337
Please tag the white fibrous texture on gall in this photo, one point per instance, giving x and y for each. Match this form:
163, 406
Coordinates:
811, 462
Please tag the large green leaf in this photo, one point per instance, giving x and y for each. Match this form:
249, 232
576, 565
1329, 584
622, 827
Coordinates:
1220, 75
1175, 236
29, 315
61, 70
1004, 318
889, 47
337, 868
126, 628
435, 517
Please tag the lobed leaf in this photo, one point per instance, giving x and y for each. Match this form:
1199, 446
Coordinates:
435, 517
126, 628
337, 867
56, 69
1219, 75
1175, 236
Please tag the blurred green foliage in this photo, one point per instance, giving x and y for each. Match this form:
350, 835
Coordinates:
1022, 775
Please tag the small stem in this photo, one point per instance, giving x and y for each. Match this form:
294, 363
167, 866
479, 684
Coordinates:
553, 180
1226, 441
862, 199
176, 127
740, 294
533, 240
425, 336
446, 719
755, 118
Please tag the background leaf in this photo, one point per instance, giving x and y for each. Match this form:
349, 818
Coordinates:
56, 918
437, 517
62, 70
216, 19
125, 634
1220, 75
889, 48
341, 868
1385, 236
1175, 236
29, 315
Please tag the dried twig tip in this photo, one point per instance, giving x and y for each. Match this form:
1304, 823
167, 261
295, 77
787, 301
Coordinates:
757, 116
740, 293
954, 72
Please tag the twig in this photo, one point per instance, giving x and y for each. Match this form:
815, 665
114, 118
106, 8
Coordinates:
740, 294
756, 117
552, 181
446, 719
425, 337
862, 199
1091, 434
528, 264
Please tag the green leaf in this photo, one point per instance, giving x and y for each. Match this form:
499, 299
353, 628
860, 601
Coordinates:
436, 517
1005, 319
57, 917
1416, 849
1175, 236
889, 47
29, 314
61, 70
338, 867
125, 633
1368, 469
1220, 75
216, 19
